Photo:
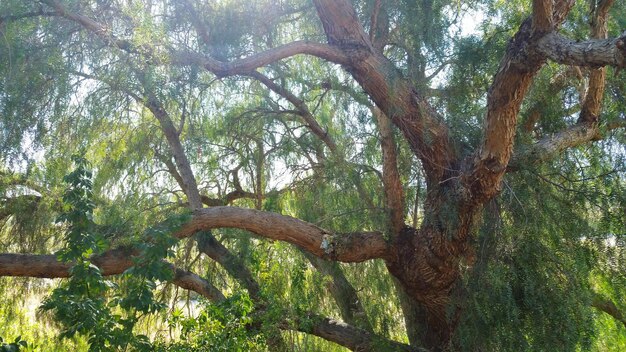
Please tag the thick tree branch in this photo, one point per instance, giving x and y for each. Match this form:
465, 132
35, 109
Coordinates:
597, 76
510, 85
393, 94
113, 262
542, 15
348, 247
590, 53
345, 335
587, 128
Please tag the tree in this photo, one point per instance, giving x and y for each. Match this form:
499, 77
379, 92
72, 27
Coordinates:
484, 173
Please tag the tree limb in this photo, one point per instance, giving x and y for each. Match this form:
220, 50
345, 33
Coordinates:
587, 128
593, 97
219, 68
234, 265
542, 15
424, 130
552, 146
190, 186
394, 194
345, 335
303, 110
347, 247
346, 297
113, 262
590, 53
511, 83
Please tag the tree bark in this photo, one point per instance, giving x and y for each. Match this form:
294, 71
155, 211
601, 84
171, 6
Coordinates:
113, 262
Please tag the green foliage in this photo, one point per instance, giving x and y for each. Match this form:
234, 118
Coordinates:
222, 326
85, 304
17, 345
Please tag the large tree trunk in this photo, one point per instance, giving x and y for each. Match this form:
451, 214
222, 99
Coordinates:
428, 264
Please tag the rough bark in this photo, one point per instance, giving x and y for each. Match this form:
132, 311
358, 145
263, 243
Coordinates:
394, 95
594, 53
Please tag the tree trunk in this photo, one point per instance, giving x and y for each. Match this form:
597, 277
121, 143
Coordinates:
428, 264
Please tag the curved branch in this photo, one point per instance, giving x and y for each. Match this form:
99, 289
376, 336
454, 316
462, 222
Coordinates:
423, 128
587, 127
347, 247
346, 297
511, 83
219, 68
113, 262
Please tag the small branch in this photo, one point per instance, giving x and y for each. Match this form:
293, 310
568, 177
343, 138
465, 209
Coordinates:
552, 146
394, 194
303, 110
219, 68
